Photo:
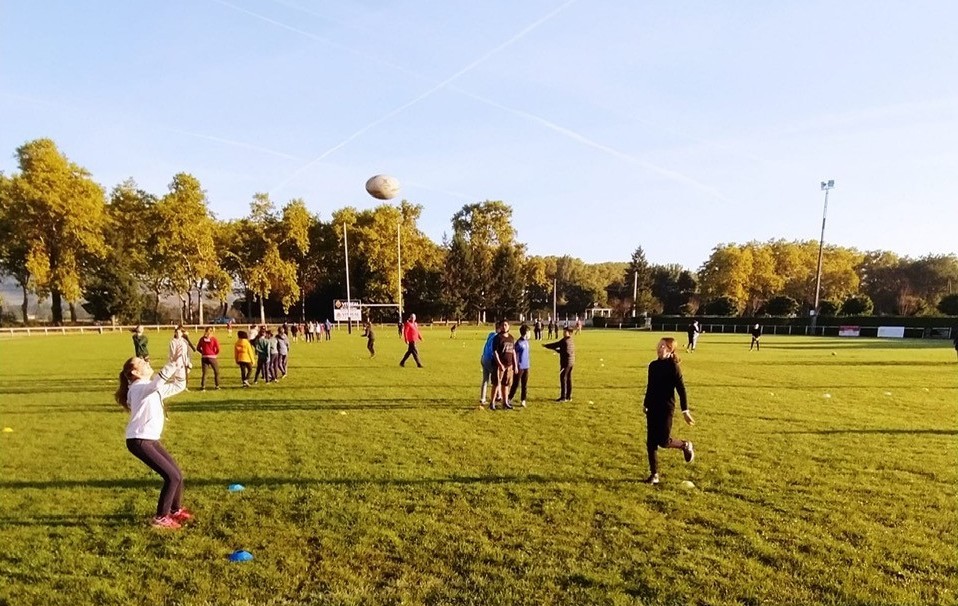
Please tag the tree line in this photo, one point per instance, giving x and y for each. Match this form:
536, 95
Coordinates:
120, 254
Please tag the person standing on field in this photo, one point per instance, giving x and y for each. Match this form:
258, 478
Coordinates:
180, 350
522, 365
537, 329
209, 348
488, 363
370, 336
141, 343
756, 335
141, 393
694, 330
504, 352
411, 335
282, 348
665, 380
243, 354
566, 350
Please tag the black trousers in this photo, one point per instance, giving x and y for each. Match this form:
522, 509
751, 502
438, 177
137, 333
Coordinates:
565, 382
520, 380
371, 346
246, 369
659, 434
413, 351
215, 365
156, 458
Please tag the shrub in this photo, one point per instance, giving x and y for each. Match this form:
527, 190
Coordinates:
827, 307
949, 305
781, 306
858, 305
722, 306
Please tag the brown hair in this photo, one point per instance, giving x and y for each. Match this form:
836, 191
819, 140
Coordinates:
670, 343
124, 389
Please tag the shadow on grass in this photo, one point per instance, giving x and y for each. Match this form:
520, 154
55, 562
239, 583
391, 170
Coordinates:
893, 432
829, 362
266, 482
114, 520
315, 405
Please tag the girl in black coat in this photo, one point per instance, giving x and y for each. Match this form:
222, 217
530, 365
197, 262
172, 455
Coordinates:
665, 379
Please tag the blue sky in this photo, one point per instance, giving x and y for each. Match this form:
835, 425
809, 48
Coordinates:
604, 124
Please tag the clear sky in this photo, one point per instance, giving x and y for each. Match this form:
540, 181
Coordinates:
605, 124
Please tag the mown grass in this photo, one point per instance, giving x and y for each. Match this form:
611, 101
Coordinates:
367, 483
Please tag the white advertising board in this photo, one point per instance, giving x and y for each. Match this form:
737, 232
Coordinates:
345, 311
891, 332
849, 331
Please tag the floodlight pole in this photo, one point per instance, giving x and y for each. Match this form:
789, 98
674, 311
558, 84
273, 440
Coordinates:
399, 262
826, 187
635, 290
349, 306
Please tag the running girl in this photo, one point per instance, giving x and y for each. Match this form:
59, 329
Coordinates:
142, 392
665, 379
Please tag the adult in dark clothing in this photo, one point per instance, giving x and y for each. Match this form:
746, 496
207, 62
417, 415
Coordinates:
411, 334
756, 335
537, 329
504, 352
665, 380
693, 331
566, 349
370, 338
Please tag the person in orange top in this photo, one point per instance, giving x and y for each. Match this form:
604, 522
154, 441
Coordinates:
411, 334
243, 353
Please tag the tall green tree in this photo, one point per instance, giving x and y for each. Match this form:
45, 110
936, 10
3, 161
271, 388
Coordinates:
58, 212
184, 244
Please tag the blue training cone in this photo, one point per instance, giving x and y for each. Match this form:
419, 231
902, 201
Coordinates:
240, 555
236, 488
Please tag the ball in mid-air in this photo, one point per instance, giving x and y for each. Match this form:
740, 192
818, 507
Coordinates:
382, 187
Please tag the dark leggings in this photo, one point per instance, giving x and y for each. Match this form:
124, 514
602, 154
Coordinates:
658, 435
371, 346
521, 379
212, 363
565, 382
246, 369
156, 458
262, 367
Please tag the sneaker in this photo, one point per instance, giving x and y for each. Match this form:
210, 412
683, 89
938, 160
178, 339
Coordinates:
523, 403
181, 515
689, 452
165, 522
560, 399
507, 406
652, 479
202, 389
492, 406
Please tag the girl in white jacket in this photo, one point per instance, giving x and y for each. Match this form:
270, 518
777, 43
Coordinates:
142, 392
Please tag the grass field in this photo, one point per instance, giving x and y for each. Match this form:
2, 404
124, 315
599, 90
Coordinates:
367, 483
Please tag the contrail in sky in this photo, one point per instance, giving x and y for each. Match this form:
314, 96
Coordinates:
313, 36
667, 173
156, 125
525, 31
654, 168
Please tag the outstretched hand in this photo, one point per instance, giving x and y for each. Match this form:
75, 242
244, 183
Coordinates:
687, 415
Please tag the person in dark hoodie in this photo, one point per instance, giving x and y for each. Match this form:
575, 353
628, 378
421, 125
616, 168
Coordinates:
665, 380
566, 349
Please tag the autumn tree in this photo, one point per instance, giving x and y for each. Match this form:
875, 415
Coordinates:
57, 214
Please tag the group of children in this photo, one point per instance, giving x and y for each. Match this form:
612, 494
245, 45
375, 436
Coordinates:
259, 346
505, 365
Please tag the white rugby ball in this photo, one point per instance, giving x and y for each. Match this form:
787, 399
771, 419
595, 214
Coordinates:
382, 187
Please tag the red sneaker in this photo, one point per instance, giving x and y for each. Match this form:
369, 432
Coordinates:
165, 522
182, 515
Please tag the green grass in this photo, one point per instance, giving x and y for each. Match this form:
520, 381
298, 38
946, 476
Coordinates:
367, 483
